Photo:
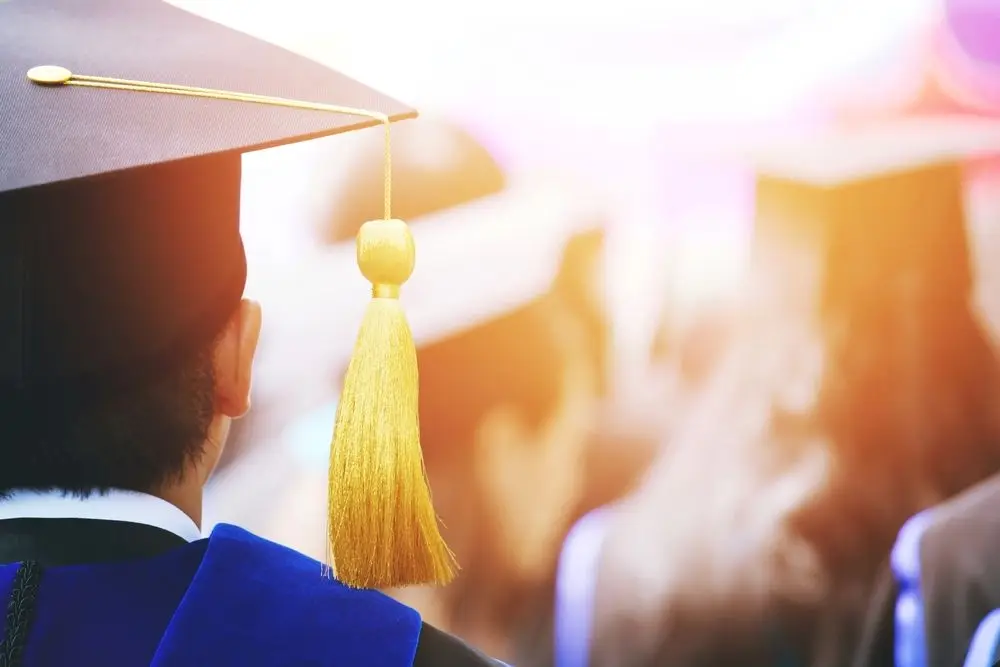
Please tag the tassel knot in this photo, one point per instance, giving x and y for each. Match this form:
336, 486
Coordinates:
386, 255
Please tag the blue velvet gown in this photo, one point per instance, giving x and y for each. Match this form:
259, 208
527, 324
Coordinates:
106, 593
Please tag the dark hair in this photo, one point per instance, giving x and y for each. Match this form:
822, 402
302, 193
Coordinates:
900, 409
915, 406
86, 442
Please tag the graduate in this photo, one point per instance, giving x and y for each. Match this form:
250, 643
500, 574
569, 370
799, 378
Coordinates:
859, 387
126, 350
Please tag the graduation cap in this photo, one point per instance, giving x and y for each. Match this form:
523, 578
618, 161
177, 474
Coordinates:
123, 126
872, 213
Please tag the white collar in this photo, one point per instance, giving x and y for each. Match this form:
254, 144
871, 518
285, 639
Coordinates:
115, 505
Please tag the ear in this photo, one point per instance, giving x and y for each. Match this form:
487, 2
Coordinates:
234, 354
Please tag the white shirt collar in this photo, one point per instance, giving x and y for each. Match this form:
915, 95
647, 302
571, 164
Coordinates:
115, 505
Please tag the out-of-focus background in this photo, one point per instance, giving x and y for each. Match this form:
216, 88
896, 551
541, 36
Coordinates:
590, 186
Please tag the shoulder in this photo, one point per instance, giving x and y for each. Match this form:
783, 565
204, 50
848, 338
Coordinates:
944, 564
971, 519
925, 552
307, 613
368, 626
297, 575
440, 649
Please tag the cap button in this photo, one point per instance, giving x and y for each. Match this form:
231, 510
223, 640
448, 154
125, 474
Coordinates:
49, 75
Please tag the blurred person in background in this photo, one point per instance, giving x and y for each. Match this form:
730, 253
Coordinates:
506, 408
621, 445
953, 545
859, 389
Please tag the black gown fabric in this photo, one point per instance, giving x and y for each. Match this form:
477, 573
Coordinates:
959, 581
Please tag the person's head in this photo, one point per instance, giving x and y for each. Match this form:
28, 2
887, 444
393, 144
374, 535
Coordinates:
162, 432
906, 389
860, 387
134, 341
811, 445
125, 345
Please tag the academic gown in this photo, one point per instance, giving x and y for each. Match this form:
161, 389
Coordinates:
959, 581
101, 593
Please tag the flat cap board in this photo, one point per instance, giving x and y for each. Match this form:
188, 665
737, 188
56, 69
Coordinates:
120, 248
71, 133
835, 156
866, 213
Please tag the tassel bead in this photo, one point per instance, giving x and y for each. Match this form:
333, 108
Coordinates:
386, 254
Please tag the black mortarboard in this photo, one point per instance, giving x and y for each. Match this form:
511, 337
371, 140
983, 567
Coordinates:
872, 214
119, 240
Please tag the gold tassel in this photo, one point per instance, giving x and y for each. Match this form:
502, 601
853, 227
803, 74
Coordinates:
383, 529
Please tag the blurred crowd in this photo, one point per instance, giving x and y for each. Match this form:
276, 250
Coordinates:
643, 464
